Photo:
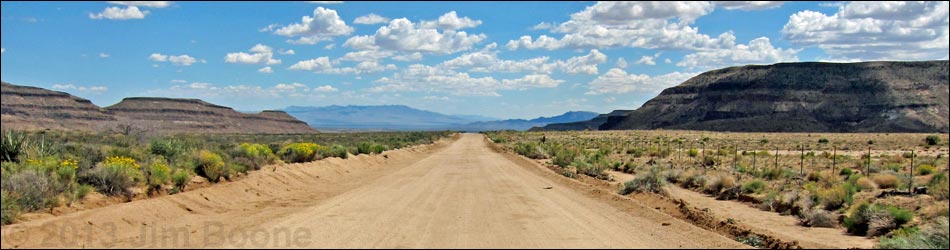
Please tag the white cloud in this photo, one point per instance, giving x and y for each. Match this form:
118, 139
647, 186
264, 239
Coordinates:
370, 19
759, 51
325, 89
531, 81
408, 57
648, 60
104, 55
617, 81
287, 52
266, 70
178, 81
327, 2
180, 60
621, 63
749, 5
329, 46
651, 25
488, 61
3, 50
667, 60
119, 13
876, 30
422, 78
322, 26
81, 89
402, 35
366, 55
260, 54
450, 21
325, 66
150, 4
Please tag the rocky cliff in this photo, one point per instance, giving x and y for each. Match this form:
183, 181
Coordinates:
803, 97
30, 108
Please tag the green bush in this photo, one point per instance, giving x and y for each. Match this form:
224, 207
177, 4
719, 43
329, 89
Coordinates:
846, 172
299, 152
529, 149
819, 218
932, 140
338, 151
933, 235
157, 174
836, 196
9, 209
938, 186
83, 190
652, 181
564, 157
718, 184
11, 145
754, 187
364, 148
693, 152
885, 181
168, 148
873, 220
180, 179
114, 176
926, 169
210, 165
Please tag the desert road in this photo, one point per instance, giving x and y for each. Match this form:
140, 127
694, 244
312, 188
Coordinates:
457, 193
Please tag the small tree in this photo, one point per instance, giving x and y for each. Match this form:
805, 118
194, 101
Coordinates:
932, 140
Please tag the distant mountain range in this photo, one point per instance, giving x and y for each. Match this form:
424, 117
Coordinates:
399, 117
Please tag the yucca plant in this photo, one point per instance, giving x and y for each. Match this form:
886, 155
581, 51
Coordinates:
11, 145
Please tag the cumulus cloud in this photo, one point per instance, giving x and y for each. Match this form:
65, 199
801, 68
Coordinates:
260, 54
287, 52
119, 13
749, 5
488, 61
131, 10
450, 21
180, 60
402, 35
104, 55
325, 66
876, 30
322, 26
266, 70
648, 60
81, 89
758, 51
325, 89
618, 81
621, 63
210, 90
370, 19
432, 79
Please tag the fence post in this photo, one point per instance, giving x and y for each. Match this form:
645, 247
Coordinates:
735, 162
834, 160
754, 153
868, 174
911, 186
802, 164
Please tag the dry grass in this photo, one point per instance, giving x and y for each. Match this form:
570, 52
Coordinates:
885, 181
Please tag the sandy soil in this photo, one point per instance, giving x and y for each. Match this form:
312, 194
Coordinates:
453, 194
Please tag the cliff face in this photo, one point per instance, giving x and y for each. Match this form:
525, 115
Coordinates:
592, 124
803, 97
32, 108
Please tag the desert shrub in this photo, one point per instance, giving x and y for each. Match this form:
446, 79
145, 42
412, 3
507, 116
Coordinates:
836, 196
210, 165
846, 172
717, 184
709, 161
180, 179
874, 220
933, 235
377, 149
364, 148
168, 148
592, 170
9, 209
696, 180
885, 181
693, 152
770, 173
114, 176
926, 169
819, 218
752, 240
157, 174
754, 187
823, 141
635, 152
893, 167
11, 145
932, 140
814, 176
83, 190
300, 152
33, 189
253, 156
939, 186
864, 183
529, 150
652, 181
564, 157
338, 151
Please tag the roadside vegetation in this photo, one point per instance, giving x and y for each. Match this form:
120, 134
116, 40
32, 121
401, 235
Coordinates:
898, 193
43, 170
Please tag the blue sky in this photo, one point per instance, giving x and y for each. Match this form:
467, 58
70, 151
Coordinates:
498, 59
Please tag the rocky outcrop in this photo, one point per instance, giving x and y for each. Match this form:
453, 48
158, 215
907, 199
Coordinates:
30, 108
592, 124
803, 97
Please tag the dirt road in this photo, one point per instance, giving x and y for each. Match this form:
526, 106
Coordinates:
454, 194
